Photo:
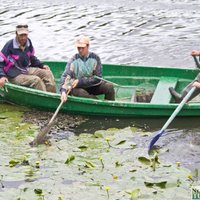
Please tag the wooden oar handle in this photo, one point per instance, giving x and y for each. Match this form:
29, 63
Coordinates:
58, 108
102, 79
69, 90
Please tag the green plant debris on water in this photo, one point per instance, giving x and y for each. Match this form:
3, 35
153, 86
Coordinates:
107, 164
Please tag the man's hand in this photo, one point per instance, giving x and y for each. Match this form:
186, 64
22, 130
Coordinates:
195, 53
196, 84
2, 81
46, 67
63, 97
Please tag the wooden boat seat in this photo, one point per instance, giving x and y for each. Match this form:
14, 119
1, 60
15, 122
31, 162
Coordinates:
161, 94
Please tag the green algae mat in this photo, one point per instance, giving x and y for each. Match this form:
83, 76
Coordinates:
106, 164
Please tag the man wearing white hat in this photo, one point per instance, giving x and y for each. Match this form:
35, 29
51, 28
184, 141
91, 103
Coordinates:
19, 65
80, 72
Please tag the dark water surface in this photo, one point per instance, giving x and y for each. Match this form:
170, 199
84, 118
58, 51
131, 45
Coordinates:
153, 32
182, 138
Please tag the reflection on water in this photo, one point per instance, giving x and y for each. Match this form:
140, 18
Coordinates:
147, 124
160, 33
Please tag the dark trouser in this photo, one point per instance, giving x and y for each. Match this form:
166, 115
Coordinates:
187, 89
179, 97
91, 92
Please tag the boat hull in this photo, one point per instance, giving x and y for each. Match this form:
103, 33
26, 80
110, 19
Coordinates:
119, 108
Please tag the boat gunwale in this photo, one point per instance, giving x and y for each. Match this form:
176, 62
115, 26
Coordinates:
82, 100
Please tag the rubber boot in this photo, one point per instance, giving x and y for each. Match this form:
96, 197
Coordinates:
187, 89
176, 95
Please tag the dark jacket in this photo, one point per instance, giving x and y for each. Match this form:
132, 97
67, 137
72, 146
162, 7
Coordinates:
15, 61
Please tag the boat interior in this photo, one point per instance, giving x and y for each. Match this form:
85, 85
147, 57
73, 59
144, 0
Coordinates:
150, 90
142, 83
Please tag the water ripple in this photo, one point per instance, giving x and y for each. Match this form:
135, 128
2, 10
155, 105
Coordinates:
162, 33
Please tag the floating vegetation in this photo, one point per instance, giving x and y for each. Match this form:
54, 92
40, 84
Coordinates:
107, 164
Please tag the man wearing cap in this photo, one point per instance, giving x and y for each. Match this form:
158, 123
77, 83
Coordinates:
19, 65
80, 72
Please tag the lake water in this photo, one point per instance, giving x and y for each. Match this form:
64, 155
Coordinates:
153, 32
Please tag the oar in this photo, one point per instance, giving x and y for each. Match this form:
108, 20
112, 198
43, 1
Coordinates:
176, 111
125, 86
102, 79
41, 135
196, 61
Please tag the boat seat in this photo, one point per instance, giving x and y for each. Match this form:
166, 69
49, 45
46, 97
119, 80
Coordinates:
161, 94
125, 93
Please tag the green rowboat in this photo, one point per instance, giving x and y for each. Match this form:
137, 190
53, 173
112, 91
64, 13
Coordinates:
141, 91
